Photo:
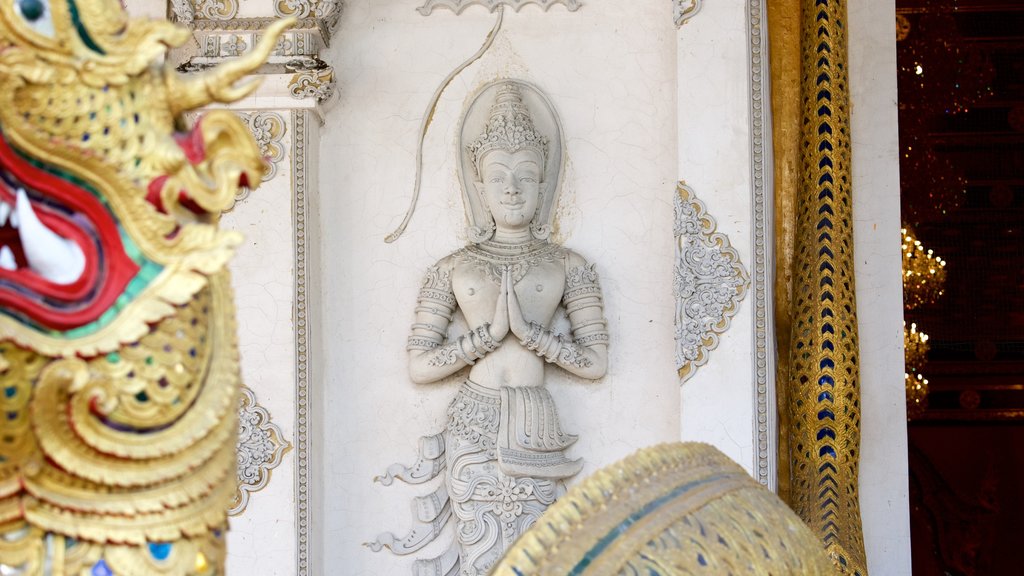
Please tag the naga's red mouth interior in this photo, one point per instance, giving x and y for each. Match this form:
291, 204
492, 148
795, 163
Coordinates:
62, 262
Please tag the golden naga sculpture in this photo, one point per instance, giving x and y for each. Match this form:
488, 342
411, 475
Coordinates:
118, 364
670, 510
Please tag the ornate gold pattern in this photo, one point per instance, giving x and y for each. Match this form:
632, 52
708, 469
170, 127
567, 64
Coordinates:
117, 442
673, 509
824, 391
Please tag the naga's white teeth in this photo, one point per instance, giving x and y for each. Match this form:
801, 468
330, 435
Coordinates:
5, 211
57, 259
7, 259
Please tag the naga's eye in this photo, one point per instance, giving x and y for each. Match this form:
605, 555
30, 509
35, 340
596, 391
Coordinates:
36, 14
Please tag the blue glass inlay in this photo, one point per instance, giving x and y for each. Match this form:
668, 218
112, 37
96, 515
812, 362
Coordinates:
826, 431
825, 208
826, 178
826, 413
825, 145
826, 266
824, 47
827, 450
702, 560
826, 193
824, 127
101, 569
825, 222
10, 391
160, 550
825, 111
12, 415
824, 94
827, 363
823, 61
826, 395
826, 380
827, 313
828, 328
826, 295
822, 16
825, 466
825, 161
827, 344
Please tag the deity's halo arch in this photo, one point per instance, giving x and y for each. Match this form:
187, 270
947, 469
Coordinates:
472, 125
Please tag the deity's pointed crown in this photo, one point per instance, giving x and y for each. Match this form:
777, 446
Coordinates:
510, 128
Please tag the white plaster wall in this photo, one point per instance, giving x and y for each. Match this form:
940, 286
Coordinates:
262, 540
717, 403
610, 71
884, 496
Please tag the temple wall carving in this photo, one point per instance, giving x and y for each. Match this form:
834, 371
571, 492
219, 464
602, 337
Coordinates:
324, 304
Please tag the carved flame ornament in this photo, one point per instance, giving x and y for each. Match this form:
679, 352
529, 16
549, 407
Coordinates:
710, 282
118, 363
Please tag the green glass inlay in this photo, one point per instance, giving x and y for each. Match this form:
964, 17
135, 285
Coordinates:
82, 32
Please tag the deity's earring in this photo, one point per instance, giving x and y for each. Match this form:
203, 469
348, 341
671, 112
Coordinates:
481, 226
540, 230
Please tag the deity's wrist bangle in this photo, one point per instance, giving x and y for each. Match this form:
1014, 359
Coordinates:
461, 352
486, 340
479, 348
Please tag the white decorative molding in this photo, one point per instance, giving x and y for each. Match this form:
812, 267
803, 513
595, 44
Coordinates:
683, 10
213, 9
268, 128
261, 446
303, 440
763, 241
317, 83
327, 11
458, 6
710, 282
183, 11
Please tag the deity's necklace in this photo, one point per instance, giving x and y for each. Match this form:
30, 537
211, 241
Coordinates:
493, 257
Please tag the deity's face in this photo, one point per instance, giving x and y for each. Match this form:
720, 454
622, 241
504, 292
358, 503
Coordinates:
511, 187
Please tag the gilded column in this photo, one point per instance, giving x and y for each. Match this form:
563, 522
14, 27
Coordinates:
824, 391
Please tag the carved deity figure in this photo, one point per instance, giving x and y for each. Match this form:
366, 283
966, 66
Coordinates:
503, 449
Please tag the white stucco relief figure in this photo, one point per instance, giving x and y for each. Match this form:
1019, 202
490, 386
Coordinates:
503, 452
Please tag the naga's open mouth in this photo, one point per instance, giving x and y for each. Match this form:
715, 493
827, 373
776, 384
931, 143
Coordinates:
62, 261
